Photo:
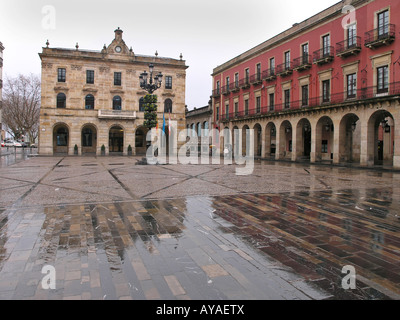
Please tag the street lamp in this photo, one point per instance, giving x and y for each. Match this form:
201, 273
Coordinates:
149, 86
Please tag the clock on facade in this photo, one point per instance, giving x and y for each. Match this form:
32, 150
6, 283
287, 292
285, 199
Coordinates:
118, 49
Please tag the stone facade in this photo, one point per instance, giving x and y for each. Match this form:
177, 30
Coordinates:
92, 99
2, 131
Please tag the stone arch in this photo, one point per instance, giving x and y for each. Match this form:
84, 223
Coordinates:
380, 138
140, 140
257, 140
350, 138
270, 139
303, 139
88, 139
61, 138
285, 140
116, 135
324, 139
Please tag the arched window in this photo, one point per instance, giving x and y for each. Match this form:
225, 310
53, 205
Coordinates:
168, 106
89, 102
117, 103
205, 125
199, 129
61, 100
141, 105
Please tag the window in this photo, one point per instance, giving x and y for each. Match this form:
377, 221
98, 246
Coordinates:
236, 108
383, 24
383, 79
141, 105
326, 45
236, 80
168, 106
62, 75
351, 85
326, 84
304, 53
168, 82
287, 98
352, 36
324, 146
89, 102
271, 101
227, 84
247, 75
117, 78
90, 76
227, 111
304, 95
287, 60
258, 104
218, 88
258, 68
272, 65
61, 100
217, 113
117, 103
246, 107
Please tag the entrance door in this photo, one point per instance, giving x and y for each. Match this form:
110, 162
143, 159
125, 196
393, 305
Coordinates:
116, 140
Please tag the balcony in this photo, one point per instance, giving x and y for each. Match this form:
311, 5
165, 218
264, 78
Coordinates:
117, 114
244, 83
284, 69
324, 55
334, 99
225, 90
302, 63
381, 36
234, 87
269, 74
216, 93
348, 47
256, 79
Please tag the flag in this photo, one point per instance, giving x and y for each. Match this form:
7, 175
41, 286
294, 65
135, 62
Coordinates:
163, 127
169, 124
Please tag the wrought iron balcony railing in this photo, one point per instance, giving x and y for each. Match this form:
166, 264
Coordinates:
380, 36
269, 74
284, 69
323, 55
392, 89
256, 78
216, 92
244, 83
302, 63
348, 47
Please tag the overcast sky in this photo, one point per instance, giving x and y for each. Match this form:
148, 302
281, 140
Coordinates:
207, 32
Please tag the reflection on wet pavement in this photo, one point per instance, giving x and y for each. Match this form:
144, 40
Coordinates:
289, 244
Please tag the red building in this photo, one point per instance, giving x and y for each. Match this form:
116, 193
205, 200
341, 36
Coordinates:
326, 89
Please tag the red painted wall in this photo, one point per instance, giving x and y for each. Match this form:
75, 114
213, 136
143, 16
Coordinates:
364, 17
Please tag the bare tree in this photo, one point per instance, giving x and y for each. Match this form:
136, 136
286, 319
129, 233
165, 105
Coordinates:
21, 106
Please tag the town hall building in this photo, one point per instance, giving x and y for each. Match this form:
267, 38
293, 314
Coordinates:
92, 100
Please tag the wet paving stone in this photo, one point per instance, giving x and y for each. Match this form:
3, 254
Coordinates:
254, 238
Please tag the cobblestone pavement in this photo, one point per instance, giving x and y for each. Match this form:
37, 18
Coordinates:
116, 230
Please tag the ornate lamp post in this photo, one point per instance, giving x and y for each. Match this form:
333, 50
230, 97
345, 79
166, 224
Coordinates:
150, 87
